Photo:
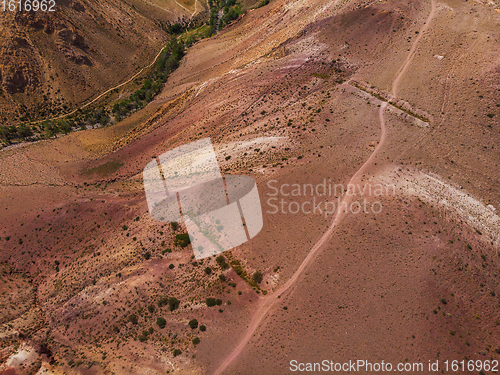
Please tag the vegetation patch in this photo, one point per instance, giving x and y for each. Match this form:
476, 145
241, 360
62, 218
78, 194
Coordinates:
182, 240
103, 169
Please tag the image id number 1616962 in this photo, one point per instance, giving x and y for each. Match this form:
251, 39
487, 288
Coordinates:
28, 5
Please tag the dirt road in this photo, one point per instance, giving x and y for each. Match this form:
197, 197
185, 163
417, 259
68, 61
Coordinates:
265, 303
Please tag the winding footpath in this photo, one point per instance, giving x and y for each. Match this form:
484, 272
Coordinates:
265, 303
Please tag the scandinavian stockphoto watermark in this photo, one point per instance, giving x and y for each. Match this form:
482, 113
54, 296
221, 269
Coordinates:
185, 184
325, 198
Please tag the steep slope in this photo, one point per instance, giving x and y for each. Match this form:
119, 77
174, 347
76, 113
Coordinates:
52, 61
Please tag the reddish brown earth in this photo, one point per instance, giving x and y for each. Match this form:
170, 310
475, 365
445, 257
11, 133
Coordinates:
418, 281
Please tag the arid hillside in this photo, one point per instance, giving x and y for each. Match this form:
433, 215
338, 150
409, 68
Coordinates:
393, 104
51, 62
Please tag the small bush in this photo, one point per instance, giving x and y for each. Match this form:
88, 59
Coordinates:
161, 322
221, 261
171, 266
143, 337
182, 239
173, 303
177, 352
162, 301
222, 278
151, 308
133, 319
203, 328
257, 277
147, 255
208, 270
211, 302
196, 341
193, 324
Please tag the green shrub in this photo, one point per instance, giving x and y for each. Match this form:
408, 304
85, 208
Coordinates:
151, 308
173, 303
221, 261
203, 328
193, 323
162, 301
161, 322
208, 270
182, 239
257, 277
237, 267
211, 302
196, 341
133, 319
25, 131
177, 352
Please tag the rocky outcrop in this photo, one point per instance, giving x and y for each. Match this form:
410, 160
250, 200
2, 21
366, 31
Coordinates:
19, 67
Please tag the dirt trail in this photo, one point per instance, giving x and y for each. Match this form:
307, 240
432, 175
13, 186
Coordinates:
413, 48
265, 303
